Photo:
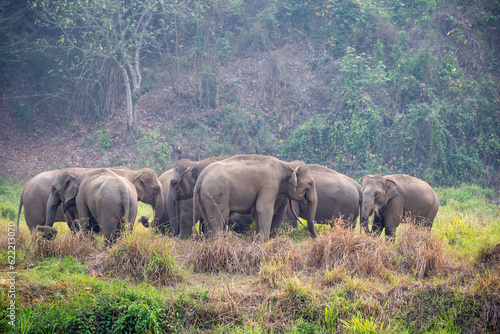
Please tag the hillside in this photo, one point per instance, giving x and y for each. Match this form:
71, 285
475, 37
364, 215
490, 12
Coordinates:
361, 87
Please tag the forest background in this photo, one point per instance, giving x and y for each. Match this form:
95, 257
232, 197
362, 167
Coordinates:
360, 86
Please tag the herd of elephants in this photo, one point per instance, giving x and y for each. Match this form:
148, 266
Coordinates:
222, 193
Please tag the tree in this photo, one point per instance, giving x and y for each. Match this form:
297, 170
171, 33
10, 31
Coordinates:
102, 31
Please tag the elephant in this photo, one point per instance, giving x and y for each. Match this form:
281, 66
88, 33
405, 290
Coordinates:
394, 197
37, 190
339, 196
254, 184
182, 181
162, 222
101, 194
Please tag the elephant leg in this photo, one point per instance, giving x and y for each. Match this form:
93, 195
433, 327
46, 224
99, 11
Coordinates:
426, 223
391, 223
264, 209
110, 229
84, 222
217, 215
279, 216
185, 222
377, 225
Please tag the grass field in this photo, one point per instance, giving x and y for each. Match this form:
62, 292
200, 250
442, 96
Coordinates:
445, 281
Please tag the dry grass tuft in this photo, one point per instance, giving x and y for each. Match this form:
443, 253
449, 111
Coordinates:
225, 252
420, 252
80, 246
144, 256
354, 253
9, 238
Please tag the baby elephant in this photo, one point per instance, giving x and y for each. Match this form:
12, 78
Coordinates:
394, 197
102, 197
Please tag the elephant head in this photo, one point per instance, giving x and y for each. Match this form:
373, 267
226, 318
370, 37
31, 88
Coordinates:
149, 190
301, 187
181, 187
63, 190
377, 190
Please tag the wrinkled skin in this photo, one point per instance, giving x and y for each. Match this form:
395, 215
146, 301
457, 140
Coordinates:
239, 223
111, 200
182, 181
339, 196
255, 184
393, 197
37, 191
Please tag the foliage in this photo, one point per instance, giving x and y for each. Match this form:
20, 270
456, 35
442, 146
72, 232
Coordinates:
397, 86
153, 150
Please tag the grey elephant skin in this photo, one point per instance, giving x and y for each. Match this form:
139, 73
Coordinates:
101, 194
253, 184
183, 211
182, 181
392, 198
339, 196
37, 190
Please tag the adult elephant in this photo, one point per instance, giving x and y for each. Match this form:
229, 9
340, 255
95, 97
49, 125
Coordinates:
394, 197
37, 190
254, 184
182, 181
339, 196
101, 194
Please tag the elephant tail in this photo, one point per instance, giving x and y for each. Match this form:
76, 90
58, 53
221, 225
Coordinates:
197, 207
19, 211
126, 208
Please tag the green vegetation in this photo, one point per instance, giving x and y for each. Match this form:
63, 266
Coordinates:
360, 86
445, 281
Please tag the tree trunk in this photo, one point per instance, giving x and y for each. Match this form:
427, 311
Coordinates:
131, 116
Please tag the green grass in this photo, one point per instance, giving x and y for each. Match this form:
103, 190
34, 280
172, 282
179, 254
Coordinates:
146, 283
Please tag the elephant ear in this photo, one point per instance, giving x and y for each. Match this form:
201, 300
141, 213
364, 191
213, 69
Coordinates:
70, 186
391, 189
293, 178
185, 174
140, 187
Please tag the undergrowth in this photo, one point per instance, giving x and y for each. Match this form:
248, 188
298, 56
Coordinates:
446, 280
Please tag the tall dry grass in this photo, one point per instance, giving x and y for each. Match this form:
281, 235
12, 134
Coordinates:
225, 252
354, 253
421, 252
143, 256
80, 246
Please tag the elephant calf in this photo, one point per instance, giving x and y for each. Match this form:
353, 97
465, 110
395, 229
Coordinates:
100, 195
393, 197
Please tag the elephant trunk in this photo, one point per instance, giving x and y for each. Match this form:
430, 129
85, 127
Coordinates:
52, 205
158, 207
312, 201
366, 211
